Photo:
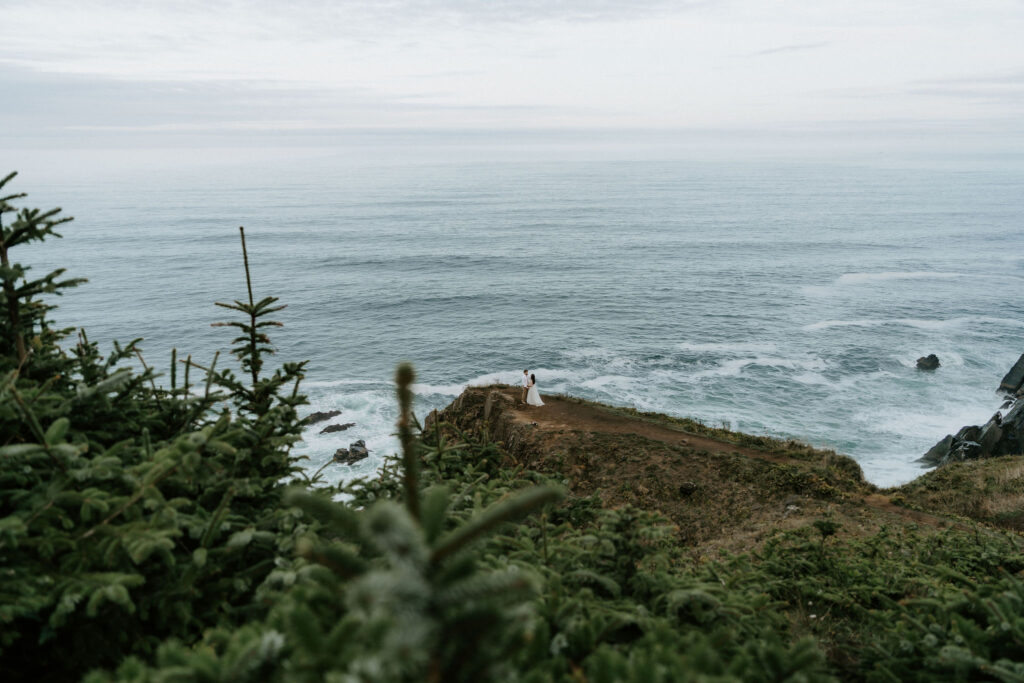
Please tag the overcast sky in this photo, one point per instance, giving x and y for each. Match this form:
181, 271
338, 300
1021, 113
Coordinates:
76, 68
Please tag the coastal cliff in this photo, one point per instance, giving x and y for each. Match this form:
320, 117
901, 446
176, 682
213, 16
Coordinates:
726, 489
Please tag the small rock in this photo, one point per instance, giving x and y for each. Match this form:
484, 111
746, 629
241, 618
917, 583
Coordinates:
687, 489
346, 456
968, 433
929, 362
990, 436
790, 506
939, 453
359, 449
320, 417
330, 429
1014, 379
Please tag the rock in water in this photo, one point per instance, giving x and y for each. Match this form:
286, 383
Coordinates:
1001, 435
330, 429
320, 417
347, 457
359, 449
929, 362
939, 453
1014, 379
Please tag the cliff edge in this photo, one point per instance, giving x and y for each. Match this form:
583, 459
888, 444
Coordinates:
726, 489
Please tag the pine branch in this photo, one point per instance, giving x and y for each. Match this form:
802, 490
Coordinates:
404, 378
514, 508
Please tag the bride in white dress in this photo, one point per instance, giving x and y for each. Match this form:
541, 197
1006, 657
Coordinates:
533, 396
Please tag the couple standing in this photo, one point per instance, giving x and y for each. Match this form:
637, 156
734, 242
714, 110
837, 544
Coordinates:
530, 394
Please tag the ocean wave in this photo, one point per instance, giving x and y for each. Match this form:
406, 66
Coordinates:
842, 382
914, 322
328, 384
736, 366
925, 424
728, 347
456, 388
860, 278
404, 263
607, 383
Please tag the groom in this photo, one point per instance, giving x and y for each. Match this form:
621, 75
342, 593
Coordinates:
526, 383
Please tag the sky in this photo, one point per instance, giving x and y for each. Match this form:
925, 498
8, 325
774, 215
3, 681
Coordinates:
90, 72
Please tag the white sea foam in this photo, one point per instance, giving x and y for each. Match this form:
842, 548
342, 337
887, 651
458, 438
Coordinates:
844, 383
812, 378
610, 383
735, 366
511, 377
928, 422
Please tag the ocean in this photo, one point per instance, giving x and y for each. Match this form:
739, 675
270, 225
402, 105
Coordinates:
774, 297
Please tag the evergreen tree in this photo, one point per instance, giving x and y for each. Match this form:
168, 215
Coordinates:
128, 512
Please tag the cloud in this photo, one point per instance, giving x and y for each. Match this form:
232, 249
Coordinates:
1012, 78
47, 106
515, 11
132, 65
999, 88
795, 47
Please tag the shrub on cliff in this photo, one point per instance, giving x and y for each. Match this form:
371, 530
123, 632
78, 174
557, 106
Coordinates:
129, 513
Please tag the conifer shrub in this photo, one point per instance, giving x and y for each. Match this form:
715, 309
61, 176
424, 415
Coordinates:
129, 512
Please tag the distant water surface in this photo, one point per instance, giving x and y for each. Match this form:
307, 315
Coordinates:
785, 299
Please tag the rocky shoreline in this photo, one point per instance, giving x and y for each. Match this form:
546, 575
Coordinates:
1002, 434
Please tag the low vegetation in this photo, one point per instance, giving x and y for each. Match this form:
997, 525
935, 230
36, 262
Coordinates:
989, 490
158, 528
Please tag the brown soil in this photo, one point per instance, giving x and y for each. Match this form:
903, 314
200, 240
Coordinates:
559, 413
720, 494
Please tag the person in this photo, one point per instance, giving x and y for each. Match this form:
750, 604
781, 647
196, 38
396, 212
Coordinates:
533, 396
526, 383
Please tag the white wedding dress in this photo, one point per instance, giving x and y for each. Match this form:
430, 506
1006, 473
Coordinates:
533, 397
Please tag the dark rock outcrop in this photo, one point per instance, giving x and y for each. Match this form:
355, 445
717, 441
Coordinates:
1014, 379
939, 453
320, 417
1001, 435
353, 454
929, 362
330, 429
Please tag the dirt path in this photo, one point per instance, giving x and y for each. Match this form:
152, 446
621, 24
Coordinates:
558, 413
561, 414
